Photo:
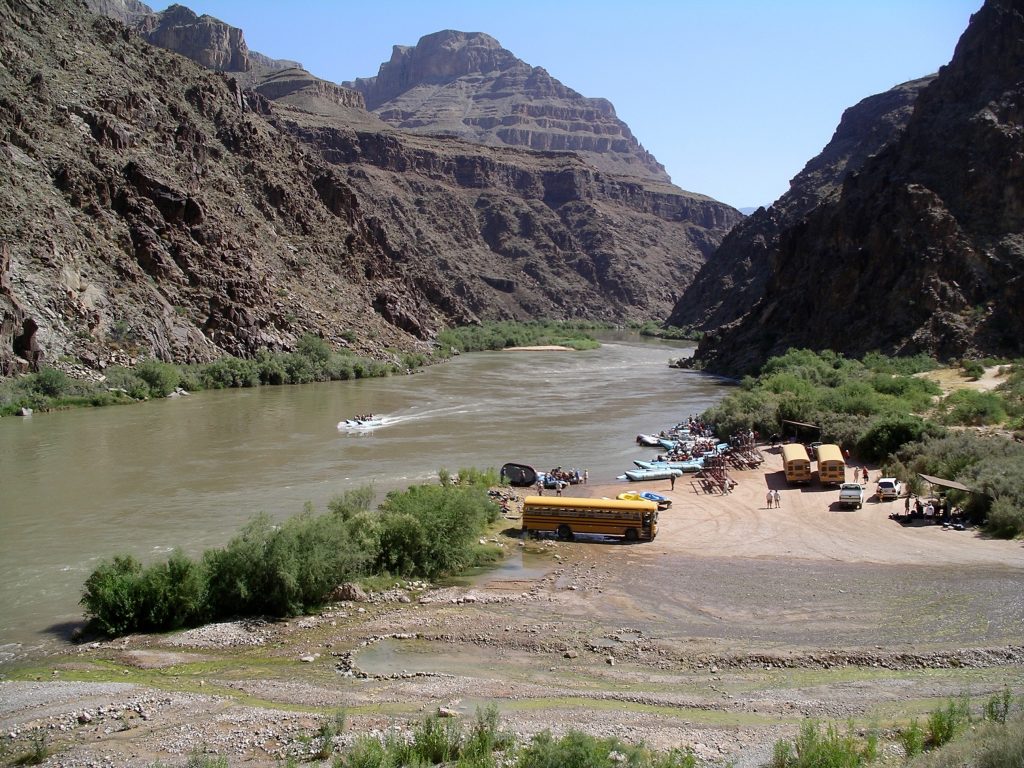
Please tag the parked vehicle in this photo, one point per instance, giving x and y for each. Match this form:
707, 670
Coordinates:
831, 465
889, 488
632, 520
795, 463
851, 495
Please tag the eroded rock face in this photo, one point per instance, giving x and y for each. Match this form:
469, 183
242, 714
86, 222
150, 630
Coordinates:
152, 207
735, 278
204, 39
465, 84
923, 248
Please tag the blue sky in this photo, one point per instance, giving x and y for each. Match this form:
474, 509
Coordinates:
731, 96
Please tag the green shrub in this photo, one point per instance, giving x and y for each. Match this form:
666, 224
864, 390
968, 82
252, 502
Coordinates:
1005, 519
973, 368
816, 749
365, 752
161, 378
1004, 749
438, 739
271, 368
201, 760
969, 408
113, 596
948, 722
480, 478
229, 372
286, 569
912, 738
580, 750
887, 434
998, 706
118, 377
315, 349
173, 594
901, 366
430, 530
485, 736
51, 382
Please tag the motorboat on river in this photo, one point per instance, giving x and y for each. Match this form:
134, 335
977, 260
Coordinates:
365, 421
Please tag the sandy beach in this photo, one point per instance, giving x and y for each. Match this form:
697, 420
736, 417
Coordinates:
720, 636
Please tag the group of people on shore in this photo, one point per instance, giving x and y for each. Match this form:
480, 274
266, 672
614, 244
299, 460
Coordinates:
559, 478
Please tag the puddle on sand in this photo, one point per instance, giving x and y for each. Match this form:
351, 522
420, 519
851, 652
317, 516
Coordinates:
395, 657
519, 566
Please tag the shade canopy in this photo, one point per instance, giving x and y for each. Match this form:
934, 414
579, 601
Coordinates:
943, 483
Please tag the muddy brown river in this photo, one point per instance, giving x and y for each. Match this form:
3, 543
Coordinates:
83, 485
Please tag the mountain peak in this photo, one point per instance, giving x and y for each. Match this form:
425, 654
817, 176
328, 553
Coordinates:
466, 84
439, 58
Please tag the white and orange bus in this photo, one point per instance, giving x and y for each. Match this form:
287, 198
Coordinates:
566, 516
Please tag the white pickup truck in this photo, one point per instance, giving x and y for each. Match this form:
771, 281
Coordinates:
851, 495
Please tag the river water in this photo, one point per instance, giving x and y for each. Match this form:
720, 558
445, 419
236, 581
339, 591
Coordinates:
84, 485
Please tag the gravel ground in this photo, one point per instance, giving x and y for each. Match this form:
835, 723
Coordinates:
720, 636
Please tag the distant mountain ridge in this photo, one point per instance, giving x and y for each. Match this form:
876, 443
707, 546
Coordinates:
465, 84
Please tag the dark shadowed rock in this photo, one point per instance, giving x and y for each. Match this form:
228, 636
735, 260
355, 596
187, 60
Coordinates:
734, 279
922, 249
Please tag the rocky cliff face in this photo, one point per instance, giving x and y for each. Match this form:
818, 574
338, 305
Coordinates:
206, 40
154, 207
466, 85
734, 279
923, 248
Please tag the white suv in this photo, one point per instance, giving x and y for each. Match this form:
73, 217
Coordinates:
889, 488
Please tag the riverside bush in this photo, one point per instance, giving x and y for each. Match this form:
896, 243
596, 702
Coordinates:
966, 407
430, 530
161, 378
860, 405
494, 336
991, 466
291, 568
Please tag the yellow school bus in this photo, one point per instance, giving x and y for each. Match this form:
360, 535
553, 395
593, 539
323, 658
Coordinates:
567, 516
831, 465
795, 463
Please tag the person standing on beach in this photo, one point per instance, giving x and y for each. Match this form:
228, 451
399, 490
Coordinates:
769, 499
777, 497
